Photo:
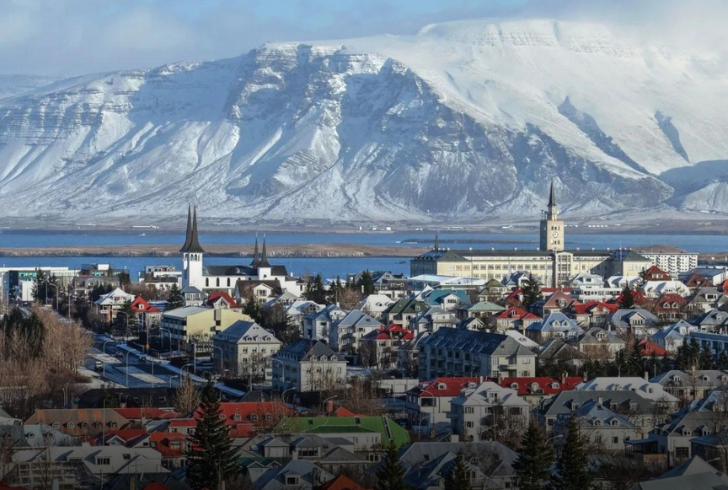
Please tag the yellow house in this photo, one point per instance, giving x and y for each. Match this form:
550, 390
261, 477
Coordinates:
192, 327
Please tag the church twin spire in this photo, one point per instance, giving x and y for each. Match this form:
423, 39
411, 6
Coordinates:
263, 260
192, 241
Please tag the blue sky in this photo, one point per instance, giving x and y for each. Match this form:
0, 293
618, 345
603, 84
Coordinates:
68, 37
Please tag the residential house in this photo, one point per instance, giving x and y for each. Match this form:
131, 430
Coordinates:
489, 412
713, 321
112, 302
635, 322
535, 389
245, 419
222, 300
600, 344
691, 385
484, 310
431, 320
495, 460
429, 403
244, 348
515, 318
673, 437
79, 422
380, 347
403, 311
346, 333
558, 351
262, 290
670, 307
672, 337
693, 473
430, 475
298, 474
602, 429
317, 325
555, 325
716, 342
649, 390
705, 299
447, 299
368, 434
492, 292
451, 352
592, 313
308, 365
556, 302
374, 304
148, 316
655, 289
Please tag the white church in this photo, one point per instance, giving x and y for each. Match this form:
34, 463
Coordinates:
264, 280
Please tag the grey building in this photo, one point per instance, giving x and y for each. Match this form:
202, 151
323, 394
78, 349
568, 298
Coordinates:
456, 352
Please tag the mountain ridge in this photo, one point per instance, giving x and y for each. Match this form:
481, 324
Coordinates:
463, 121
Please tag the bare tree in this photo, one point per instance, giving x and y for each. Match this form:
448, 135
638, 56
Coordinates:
187, 397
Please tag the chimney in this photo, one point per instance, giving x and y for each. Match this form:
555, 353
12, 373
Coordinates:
585, 377
563, 378
647, 375
480, 379
500, 377
600, 401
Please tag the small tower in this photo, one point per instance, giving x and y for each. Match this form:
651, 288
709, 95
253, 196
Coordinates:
192, 254
552, 228
264, 268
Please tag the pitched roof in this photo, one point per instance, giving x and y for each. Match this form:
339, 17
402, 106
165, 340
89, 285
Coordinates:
341, 482
149, 413
542, 385
443, 386
393, 331
217, 296
515, 313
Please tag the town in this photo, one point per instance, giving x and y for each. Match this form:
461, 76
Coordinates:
484, 369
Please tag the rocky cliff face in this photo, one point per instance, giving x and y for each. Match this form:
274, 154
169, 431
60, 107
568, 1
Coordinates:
464, 121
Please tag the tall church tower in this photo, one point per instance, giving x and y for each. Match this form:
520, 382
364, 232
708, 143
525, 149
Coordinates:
552, 228
192, 254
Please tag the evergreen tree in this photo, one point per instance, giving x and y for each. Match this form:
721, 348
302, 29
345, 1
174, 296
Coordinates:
706, 359
636, 362
44, 287
722, 361
458, 479
533, 465
390, 475
531, 289
210, 456
127, 318
252, 309
316, 291
572, 468
366, 283
626, 300
175, 298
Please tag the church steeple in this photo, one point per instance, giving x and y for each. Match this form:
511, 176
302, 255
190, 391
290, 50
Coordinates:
264, 256
255, 261
552, 212
192, 242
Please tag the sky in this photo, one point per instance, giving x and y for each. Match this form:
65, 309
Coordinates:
71, 37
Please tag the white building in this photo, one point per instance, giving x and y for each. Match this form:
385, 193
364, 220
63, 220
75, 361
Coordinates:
488, 411
672, 262
17, 282
225, 277
646, 389
308, 365
244, 348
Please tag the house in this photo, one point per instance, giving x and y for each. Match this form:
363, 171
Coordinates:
712, 321
448, 300
482, 309
597, 343
430, 401
403, 311
79, 422
222, 300
592, 313
341, 482
492, 292
317, 324
557, 301
244, 348
603, 429
716, 342
193, 327
308, 365
655, 289
495, 459
672, 337
346, 333
670, 307
691, 385
380, 347
147, 315
556, 325
673, 437
261, 290
693, 473
646, 389
248, 418
535, 389
374, 304
705, 299
489, 412
558, 351
298, 474
368, 434
428, 475
451, 352
654, 273
110, 303
431, 320
637, 322
515, 318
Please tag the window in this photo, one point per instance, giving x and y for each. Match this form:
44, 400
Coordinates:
100, 461
469, 410
682, 452
615, 440
469, 425
70, 425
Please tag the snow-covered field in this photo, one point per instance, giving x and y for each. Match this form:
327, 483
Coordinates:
467, 120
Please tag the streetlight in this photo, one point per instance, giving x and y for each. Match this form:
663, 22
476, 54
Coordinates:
183, 368
283, 395
283, 369
419, 425
222, 354
171, 378
169, 332
323, 407
119, 312
127, 368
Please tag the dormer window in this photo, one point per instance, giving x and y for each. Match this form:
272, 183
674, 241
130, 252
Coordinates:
597, 422
70, 425
614, 422
514, 386
441, 386
237, 417
254, 417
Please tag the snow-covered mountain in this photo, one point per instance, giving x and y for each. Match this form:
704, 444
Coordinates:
467, 120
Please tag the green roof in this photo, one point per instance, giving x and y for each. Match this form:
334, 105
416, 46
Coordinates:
388, 428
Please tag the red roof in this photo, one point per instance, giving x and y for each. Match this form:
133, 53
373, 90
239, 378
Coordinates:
515, 313
183, 423
244, 418
443, 386
344, 412
650, 348
637, 294
724, 286
161, 441
155, 486
553, 290
140, 305
5, 486
589, 306
216, 296
341, 482
654, 273
697, 280
149, 413
392, 331
550, 386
